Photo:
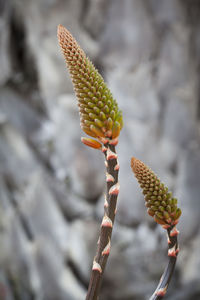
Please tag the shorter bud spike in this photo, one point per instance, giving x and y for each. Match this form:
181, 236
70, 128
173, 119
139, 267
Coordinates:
161, 205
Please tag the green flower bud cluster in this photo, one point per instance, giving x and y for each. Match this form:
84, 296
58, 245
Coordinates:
99, 113
159, 201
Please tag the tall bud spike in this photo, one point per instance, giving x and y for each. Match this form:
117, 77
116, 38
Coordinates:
94, 97
161, 205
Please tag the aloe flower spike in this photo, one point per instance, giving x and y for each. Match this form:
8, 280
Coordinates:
163, 208
159, 202
99, 112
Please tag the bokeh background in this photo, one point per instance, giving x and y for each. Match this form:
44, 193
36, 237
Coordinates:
52, 186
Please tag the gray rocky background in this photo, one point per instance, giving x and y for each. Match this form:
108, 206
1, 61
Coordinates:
51, 186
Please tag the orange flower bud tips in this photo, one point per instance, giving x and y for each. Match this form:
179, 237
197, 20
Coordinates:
91, 143
96, 131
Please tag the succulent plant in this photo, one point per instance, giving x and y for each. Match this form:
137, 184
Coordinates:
99, 112
101, 118
160, 203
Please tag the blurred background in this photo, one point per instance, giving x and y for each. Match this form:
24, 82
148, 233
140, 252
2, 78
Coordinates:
52, 186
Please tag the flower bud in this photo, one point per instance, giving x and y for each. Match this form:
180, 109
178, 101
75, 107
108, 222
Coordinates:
91, 143
161, 205
96, 103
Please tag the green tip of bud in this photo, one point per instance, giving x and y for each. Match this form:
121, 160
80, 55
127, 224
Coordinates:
116, 129
109, 123
177, 214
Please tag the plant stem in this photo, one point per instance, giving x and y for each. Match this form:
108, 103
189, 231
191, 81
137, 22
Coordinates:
103, 244
173, 250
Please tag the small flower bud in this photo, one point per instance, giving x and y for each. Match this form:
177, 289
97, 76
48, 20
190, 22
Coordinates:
91, 143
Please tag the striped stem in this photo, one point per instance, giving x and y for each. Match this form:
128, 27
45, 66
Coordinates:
104, 241
173, 250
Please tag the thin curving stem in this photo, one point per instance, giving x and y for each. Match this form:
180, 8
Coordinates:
173, 250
